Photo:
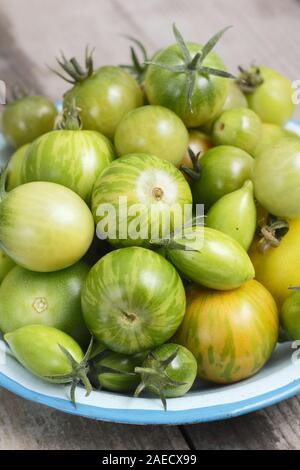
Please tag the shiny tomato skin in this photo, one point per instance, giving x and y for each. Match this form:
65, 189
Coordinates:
6, 264
52, 299
276, 178
272, 100
290, 315
72, 158
104, 98
26, 119
199, 143
165, 135
228, 344
133, 300
44, 226
14, 168
223, 169
278, 268
166, 88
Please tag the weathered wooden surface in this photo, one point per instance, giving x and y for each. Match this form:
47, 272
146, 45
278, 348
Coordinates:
31, 35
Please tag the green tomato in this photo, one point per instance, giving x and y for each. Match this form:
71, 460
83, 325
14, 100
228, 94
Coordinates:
164, 135
290, 315
104, 98
270, 134
167, 88
45, 226
235, 215
239, 127
52, 299
14, 168
223, 170
115, 372
169, 371
210, 258
26, 119
272, 100
72, 158
153, 190
133, 300
37, 348
6, 264
277, 178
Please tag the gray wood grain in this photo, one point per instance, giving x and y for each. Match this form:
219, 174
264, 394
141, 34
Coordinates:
31, 35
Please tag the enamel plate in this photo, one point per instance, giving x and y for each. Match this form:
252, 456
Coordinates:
278, 380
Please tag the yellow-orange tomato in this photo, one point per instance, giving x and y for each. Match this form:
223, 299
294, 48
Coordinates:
199, 143
231, 333
278, 268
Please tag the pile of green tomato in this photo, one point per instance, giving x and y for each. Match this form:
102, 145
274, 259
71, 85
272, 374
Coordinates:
127, 314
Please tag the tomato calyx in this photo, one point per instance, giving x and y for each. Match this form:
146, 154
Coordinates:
272, 232
194, 65
249, 80
79, 373
69, 118
194, 172
73, 71
138, 67
156, 378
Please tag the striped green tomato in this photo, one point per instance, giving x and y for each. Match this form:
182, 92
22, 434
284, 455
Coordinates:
231, 334
6, 264
73, 158
14, 168
210, 258
45, 226
149, 186
133, 300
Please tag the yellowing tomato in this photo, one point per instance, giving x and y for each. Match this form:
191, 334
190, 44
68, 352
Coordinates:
278, 268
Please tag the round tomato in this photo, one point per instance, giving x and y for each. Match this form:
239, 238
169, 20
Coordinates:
104, 95
168, 371
231, 334
239, 127
270, 134
189, 79
14, 168
45, 226
277, 178
136, 199
115, 372
210, 258
6, 264
164, 135
235, 215
269, 94
72, 158
50, 354
26, 119
199, 143
52, 299
290, 315
133, 300
277, 267
223, 169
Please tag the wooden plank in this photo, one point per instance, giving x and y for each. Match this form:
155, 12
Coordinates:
31, 34
26, 425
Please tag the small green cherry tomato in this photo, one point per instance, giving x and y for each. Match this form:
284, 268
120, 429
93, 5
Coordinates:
44, 226
272, 99
6, 264
14, 168
210, 258
290, 315
155, 130
115, 372
104, 98
27, 118
168, 371
133, 300
270, 134
52, 299
276, 178
235, 214
223, 170
239, 127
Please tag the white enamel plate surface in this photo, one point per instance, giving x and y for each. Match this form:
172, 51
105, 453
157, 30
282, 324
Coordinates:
278, 380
